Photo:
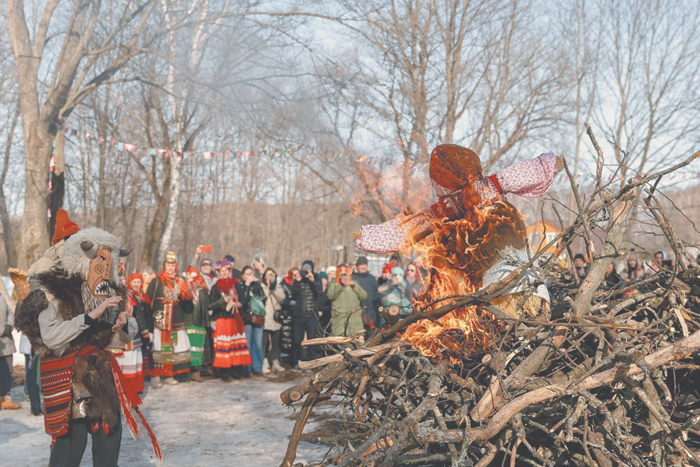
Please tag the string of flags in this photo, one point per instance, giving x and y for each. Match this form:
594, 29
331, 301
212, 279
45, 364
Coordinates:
330, 154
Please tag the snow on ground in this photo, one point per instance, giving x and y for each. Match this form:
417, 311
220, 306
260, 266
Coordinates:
211, 423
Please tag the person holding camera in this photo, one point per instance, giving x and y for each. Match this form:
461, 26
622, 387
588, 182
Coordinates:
346, 311
305, 292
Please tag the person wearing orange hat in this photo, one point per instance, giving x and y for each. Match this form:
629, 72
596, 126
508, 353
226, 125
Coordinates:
64, 229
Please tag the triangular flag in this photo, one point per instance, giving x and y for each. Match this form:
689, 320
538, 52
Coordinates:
228, 155
120, 145
130, 147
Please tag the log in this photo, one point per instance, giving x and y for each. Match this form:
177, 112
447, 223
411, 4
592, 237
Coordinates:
323, 361
678, 351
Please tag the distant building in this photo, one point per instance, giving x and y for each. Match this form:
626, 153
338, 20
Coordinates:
541, 234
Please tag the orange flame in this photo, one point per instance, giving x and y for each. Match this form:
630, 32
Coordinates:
456, 256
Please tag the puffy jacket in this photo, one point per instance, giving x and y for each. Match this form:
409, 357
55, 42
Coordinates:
305, 292
346, 311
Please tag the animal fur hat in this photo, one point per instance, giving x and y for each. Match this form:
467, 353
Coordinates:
82, 247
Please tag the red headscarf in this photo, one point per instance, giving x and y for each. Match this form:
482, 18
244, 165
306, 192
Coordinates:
169, 281
197, 278
228, 285
289, 278
135, 294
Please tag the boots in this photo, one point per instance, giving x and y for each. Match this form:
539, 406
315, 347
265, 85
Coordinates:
170, 381
156, 382
266, 367
197, 377
276, 366
7, 404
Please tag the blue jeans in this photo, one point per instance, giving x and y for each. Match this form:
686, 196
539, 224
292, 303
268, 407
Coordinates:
254, 338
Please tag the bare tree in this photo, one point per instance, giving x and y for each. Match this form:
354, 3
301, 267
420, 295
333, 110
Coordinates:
92, 52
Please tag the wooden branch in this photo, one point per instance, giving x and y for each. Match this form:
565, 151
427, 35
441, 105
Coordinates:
678, 351
599, 160
323, 361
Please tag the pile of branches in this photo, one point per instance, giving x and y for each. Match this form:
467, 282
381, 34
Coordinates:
607, 379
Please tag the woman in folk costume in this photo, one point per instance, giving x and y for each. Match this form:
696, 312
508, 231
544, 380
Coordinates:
197, 322
130, 355
73, 312
230, 346
164, 301
470, 238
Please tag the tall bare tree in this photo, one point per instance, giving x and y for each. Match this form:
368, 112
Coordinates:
96, 44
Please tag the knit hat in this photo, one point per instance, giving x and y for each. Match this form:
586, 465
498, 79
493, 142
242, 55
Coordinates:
397, 271
64, 226
322, 275
633, 256
362, 260
307, 265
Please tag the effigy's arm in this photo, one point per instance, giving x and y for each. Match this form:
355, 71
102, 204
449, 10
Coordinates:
529, 178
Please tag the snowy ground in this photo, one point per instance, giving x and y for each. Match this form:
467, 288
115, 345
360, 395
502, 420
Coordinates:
211, 423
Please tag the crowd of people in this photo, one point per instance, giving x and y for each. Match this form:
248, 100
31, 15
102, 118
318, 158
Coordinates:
214, 320
218, 321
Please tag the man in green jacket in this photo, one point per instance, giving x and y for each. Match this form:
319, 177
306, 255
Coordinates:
346, 312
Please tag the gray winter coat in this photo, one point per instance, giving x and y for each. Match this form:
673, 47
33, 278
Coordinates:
7, 322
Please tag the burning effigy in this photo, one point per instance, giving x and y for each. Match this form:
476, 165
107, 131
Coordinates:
491, 367
470, 238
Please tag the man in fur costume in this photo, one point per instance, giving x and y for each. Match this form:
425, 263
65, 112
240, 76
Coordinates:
74, 310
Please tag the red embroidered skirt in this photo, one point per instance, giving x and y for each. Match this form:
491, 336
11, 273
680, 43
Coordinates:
230, 346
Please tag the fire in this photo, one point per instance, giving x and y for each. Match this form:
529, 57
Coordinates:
456, 256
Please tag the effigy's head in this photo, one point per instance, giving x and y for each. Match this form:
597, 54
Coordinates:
453, 167
93, 254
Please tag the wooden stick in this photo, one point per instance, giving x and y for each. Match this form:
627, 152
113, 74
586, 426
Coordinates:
678, 351
323, 361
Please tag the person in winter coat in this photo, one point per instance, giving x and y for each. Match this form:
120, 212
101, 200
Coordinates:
272, 328
288, 304
324, 305
7, 348
254, 322
305, 292
345, 296
396, 292
370, 305
413, 280
634, 269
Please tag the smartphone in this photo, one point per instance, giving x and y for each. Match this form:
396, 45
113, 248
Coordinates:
206, 249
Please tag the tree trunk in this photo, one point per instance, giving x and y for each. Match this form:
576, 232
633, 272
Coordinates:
35, 232
58, 180
173, 202
7, 235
